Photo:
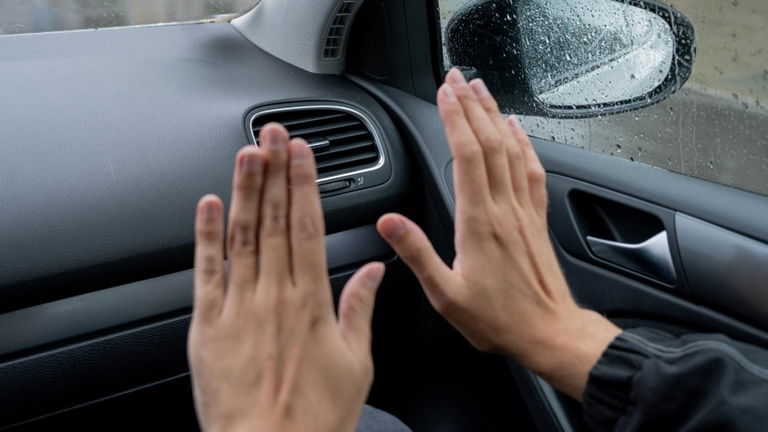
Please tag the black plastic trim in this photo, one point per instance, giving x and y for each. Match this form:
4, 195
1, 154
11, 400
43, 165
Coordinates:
91, 370
79, 316
419, 119
724, 268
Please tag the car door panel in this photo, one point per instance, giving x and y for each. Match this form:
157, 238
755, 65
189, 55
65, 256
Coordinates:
580, 212
625, 296
725, 268
653, 190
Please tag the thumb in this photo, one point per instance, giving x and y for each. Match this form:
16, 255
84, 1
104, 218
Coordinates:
356, 306
414, 248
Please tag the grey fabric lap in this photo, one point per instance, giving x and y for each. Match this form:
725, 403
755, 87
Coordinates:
376, 420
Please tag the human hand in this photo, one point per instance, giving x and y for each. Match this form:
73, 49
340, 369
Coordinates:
505, 292
265, 349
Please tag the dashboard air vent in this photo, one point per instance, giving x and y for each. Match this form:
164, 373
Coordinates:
337, 31
341, 138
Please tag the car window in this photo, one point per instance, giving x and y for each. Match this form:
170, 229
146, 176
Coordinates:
28, 16
714, 128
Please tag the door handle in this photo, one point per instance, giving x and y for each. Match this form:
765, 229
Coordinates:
651, 257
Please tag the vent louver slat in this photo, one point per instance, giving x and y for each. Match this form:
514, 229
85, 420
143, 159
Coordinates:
357, 145
306, 120
345, 161
348, 134
324, 129
343, 142
332, 48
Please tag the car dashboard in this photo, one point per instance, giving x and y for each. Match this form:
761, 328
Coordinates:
108, 144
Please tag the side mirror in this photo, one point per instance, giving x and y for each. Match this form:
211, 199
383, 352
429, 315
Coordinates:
573, 58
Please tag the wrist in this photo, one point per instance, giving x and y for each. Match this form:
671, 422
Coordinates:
249, 423
572, 345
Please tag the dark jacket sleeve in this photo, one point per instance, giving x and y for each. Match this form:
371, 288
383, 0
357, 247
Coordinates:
649, 380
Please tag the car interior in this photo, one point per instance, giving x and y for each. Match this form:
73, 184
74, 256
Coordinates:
109, 137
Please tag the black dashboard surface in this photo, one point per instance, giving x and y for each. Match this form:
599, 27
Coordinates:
109, 137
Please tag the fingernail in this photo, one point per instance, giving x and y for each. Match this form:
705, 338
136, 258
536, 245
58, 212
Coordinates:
449, 94
251, 162
455, 77
274, 138
209, 210
374, 274
299, 154
514, 123
393, 229
480, 88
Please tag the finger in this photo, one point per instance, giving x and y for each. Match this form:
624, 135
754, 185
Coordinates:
535, 173
517, 171
209, 257
306, 219
356, 307
414, 248
470, 180
242, 247
273, 229
512, 151
487, 134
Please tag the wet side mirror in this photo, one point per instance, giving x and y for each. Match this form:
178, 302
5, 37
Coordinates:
573, 58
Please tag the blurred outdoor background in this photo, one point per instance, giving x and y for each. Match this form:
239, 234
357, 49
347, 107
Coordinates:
32, 16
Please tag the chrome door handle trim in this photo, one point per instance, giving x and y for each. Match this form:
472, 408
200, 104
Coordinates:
651, 257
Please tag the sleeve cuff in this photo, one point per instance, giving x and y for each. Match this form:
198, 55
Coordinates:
608, 392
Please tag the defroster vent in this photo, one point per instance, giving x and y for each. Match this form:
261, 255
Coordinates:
337, 31
342, 139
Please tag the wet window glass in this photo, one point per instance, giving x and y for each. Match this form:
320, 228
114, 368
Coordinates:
34, 16
715, 127
607, 31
